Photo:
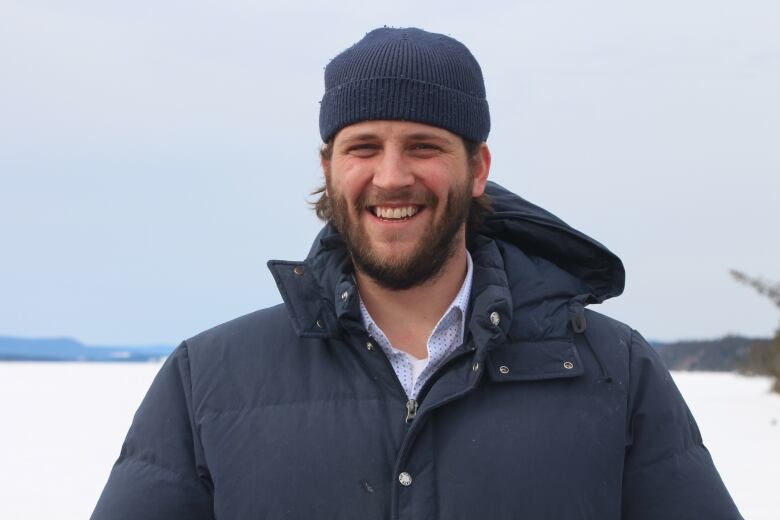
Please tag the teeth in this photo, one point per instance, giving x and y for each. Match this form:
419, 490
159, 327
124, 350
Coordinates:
394, 213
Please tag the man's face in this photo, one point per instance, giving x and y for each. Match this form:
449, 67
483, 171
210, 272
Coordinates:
400, 194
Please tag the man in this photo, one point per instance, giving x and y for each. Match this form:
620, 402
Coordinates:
433, 357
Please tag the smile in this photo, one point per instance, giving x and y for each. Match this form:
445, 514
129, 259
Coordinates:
394, 213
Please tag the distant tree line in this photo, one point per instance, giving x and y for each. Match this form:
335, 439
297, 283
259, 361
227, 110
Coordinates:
764, 358
727, 354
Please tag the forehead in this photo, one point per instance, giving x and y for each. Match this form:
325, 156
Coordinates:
390, 130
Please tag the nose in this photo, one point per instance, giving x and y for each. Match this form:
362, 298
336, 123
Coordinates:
392, 170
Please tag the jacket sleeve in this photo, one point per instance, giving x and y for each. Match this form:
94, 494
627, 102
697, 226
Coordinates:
160, 473
668, 472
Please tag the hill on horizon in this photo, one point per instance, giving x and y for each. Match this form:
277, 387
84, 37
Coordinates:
68, 349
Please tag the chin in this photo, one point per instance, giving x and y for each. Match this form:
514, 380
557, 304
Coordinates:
394, 251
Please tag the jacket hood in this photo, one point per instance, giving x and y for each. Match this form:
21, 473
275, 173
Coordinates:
541, 234
525, 260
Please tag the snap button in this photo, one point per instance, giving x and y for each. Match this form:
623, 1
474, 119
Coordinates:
405, 479
568, 365
495, 319
344, 296
503, 369
319, 324
475, 367
370, 346
298, 269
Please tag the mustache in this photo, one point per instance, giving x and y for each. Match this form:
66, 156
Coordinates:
403, 196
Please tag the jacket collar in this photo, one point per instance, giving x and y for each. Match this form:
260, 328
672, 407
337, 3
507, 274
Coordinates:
531, 271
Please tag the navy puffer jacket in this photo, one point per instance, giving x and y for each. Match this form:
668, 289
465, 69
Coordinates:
547, 411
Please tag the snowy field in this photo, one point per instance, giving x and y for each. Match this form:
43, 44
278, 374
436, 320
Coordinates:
63, 424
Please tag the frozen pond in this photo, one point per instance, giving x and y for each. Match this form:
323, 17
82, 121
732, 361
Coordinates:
63, 424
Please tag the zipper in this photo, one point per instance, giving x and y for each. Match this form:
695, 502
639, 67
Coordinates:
381, 352
411, 410
465, 348
413, 404
411, 413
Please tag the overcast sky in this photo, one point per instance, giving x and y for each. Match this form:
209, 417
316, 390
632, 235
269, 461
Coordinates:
154, 155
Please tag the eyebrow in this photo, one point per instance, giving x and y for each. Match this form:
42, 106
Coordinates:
361, 137
424, 136
417, 136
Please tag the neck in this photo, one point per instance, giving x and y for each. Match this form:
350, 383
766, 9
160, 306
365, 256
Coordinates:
407, 317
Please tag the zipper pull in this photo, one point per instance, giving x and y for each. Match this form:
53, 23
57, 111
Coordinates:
411, 410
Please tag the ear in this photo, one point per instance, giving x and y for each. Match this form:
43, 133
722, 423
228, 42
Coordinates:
325, 165
481, 170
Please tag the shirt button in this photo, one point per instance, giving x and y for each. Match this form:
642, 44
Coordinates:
405, 479
370, 346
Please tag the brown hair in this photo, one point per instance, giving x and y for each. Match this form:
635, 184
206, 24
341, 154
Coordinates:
480, 206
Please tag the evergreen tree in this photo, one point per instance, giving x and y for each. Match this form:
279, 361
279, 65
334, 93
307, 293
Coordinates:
768, 357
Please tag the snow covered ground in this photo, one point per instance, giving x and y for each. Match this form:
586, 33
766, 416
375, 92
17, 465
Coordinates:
740, 423
63, 424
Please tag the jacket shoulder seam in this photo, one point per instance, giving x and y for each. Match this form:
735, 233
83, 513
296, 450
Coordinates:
688, 447
143, 461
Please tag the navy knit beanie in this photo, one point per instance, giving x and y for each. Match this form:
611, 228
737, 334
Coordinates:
407, 75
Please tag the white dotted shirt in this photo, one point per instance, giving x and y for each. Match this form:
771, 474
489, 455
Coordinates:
446, 337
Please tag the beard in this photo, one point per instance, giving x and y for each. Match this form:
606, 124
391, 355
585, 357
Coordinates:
435, 245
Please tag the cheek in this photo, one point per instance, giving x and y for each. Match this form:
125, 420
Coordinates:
347, 197
449, 184
349, 181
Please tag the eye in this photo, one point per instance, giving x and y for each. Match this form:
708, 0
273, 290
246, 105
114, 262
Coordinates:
424, 146
424, 150
362, 149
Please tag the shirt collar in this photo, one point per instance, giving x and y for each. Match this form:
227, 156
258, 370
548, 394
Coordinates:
459, 303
